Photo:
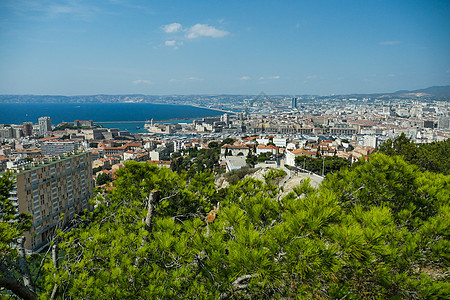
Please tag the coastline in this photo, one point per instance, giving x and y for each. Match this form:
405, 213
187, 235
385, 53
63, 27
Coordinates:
216, 109
169, 120
105, 113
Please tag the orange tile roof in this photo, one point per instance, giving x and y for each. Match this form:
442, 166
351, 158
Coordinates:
267, 147
49, 138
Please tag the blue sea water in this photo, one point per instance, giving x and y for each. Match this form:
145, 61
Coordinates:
17, 113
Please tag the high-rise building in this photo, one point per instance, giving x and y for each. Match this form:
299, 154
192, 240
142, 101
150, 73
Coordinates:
370, 140
6, 132
294, 102
444, 122
46, 189
27, 129
45, 124
225, 118
17, 132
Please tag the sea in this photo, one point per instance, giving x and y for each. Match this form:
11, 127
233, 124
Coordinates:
125, 116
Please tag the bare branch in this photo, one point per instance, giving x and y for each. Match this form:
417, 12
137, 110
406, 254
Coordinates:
23, 264
55, 263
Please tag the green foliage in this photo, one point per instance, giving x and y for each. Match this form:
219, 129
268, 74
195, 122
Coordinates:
402, 214
12, 227
433, 157
379, 230
64, 127
252, 160
97, 169
102, 178
227, 141
213, 145
12, 224
235, 176
329, 164
196, 161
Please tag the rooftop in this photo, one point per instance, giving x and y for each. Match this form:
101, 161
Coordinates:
45, 162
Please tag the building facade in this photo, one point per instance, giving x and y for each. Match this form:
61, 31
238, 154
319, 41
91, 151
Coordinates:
58, 148
294, 102
45, 124
27, 129
55, 186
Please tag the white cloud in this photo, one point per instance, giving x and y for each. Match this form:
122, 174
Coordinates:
184, 80
170, 43
270, 77
193, 32
142, 81
199, 30
389, 43
245, 78
173, 43
194, 78
172, 28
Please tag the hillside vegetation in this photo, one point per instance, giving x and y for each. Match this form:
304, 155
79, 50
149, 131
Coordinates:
377, 230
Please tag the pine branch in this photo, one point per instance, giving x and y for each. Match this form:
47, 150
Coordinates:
8, 281
237, 284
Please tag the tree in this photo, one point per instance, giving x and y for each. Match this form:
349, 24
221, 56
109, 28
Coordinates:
377, 230
402, 214
103, 178
400, 146
213, 145
331, 164
434, 157
227, 141
197, 161
14, 271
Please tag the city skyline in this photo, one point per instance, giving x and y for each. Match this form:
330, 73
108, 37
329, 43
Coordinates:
282, 47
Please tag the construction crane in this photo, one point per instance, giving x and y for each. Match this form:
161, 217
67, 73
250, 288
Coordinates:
260, 98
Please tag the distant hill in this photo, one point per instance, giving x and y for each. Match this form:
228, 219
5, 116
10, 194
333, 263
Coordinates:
436, 90
430, 93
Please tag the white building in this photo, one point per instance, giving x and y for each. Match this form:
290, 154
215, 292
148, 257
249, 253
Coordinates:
280, 142
45, 124
235, 162
370, 140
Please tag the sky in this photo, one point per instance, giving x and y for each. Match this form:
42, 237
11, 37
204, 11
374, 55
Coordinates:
165, 47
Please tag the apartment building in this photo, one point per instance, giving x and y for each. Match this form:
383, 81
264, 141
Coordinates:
58, 185
59, 147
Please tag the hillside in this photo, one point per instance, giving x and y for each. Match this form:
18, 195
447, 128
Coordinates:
378, 230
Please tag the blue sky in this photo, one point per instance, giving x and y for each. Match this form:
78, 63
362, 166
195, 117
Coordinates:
223, 47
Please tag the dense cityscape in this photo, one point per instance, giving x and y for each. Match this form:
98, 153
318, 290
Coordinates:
285, 128
224, 149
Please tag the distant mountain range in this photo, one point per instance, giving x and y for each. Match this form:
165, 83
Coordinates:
430, 93
443, 91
